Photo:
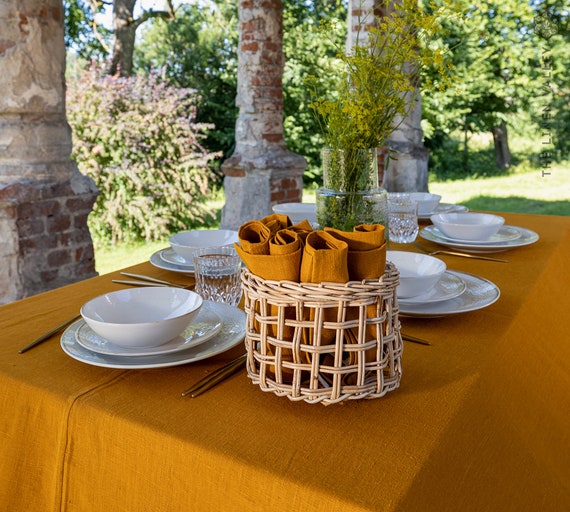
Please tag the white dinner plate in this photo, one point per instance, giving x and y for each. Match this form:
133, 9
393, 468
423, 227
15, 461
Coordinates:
505, 234
526, 237
169, 255
448, 287
444, 208
479, 293
205, 326
231, 333
158, 261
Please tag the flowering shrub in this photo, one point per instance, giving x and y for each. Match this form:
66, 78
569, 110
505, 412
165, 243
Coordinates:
137, 139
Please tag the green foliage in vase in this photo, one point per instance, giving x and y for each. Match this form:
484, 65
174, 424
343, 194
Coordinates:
136, 137
380, 76
350, 194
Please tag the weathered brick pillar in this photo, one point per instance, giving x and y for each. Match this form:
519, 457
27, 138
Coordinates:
262, 171
44, 200
408, 170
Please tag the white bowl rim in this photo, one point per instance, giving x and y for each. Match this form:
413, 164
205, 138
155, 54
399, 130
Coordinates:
442, 266
230, 236
452, 218
198, 302
301, 207
429, 196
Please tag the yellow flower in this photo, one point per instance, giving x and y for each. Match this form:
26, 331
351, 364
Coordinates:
379, 77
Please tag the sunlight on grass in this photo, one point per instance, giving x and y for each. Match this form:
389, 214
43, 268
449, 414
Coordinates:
531, 185
109, 259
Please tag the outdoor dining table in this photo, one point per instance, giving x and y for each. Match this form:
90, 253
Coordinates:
480, 421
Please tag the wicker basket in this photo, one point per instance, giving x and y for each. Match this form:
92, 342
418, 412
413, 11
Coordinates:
323, 343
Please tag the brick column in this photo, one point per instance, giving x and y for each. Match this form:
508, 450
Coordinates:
408, 171
262, 171
44, 200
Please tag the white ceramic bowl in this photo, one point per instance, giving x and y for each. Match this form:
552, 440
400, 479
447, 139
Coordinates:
142, 317
418, 272
297, 212
186, 242
468, 226
427, 203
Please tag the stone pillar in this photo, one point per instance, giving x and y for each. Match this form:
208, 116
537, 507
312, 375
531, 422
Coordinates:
262, 171
44, 200
407, 170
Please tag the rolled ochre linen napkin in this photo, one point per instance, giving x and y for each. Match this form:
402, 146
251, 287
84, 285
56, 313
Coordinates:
324, 259
254, 237
280, 262
275, 222
366, 260
366, 256
302, 228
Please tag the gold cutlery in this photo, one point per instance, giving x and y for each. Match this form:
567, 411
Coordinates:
148, 283
216, 377
48, 334
454, 253
153, 280
413, 339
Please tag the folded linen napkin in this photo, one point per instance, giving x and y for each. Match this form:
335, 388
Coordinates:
366, 260
276, 221
366, 250
254, 237
324, 259
302, 228
273, 256
281, 259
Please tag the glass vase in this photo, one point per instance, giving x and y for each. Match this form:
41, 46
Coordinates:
350, 194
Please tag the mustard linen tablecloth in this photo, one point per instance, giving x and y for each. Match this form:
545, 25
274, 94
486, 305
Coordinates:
481, 421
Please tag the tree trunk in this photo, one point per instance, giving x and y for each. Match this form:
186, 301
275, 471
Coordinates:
501, 140
124, 31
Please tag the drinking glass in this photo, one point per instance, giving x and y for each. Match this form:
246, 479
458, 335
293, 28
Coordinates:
402, 218
217, 271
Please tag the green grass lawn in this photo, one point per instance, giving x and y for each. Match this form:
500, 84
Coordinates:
520, 192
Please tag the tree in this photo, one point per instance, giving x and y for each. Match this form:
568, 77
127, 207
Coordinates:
82, 34
307, 49
198, 50
550, 110
495, 54
125, 26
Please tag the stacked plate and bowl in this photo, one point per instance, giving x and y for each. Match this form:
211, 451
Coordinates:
152, 327
158, 326
476, 232
427, 288
179, 256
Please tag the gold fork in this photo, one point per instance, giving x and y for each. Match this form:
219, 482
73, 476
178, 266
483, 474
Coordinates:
454, 253
148, 281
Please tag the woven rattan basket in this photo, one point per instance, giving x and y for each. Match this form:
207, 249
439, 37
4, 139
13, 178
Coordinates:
323, 343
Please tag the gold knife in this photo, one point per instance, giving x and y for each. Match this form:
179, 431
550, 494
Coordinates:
215, 377
48, 334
